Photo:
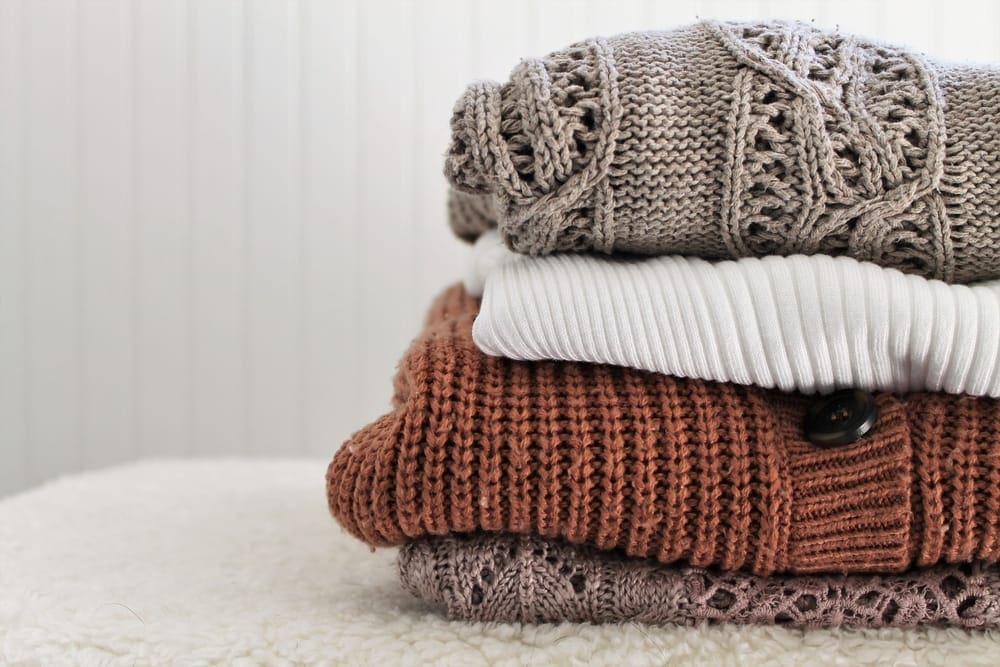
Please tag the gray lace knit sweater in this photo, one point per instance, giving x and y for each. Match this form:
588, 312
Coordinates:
729, 140
532, 579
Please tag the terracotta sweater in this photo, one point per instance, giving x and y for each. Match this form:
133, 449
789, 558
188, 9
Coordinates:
662, 467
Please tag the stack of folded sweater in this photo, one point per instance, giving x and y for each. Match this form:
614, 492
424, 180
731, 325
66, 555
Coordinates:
719, 355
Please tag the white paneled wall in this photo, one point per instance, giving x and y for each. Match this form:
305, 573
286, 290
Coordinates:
220, 221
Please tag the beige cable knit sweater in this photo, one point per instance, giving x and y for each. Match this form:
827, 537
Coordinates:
732, 140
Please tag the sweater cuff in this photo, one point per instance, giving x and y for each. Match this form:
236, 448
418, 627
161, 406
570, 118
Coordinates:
852, 505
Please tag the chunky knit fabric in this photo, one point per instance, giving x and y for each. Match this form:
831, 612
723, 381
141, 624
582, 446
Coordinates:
673, 469
470, 214
807, 323
529, 579
726, 140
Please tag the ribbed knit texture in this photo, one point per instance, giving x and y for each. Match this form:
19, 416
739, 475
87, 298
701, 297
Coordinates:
673, 469
801, 323
498, 577
726, 140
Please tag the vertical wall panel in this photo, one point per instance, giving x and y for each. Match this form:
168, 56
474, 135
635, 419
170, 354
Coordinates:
332, 223
905, 25
440, 30
561, 22
218, 177
273, 227
52, 236
162, 227
859, 16
665, 15
220, 222
500, 35
14, 439
788, 9
609, 19
389, 313
105, 210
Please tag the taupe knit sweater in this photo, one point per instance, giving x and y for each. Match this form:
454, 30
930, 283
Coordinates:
499, 577
730, 140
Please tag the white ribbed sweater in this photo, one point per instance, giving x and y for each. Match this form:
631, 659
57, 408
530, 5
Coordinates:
808, 324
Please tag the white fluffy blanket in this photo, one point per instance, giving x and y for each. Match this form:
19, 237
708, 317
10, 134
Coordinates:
237, 562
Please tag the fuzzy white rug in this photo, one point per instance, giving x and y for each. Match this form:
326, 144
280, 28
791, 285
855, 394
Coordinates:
237, 562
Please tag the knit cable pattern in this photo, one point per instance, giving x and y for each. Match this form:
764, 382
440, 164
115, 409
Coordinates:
498, 577
727, 140
662, 467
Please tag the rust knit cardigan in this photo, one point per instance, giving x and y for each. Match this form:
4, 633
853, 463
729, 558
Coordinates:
669, 468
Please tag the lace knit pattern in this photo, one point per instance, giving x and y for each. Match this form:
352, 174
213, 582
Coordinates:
726, 140
663, 467
530, 579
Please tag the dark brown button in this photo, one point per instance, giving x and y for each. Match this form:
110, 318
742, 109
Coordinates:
841, 418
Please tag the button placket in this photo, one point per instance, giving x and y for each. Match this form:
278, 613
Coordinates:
841, 418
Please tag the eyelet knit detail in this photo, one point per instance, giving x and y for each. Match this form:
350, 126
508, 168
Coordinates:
530, 579
662, 467
739, 139
543, 140
838, 149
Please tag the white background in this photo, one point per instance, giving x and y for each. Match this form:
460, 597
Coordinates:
220, 221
